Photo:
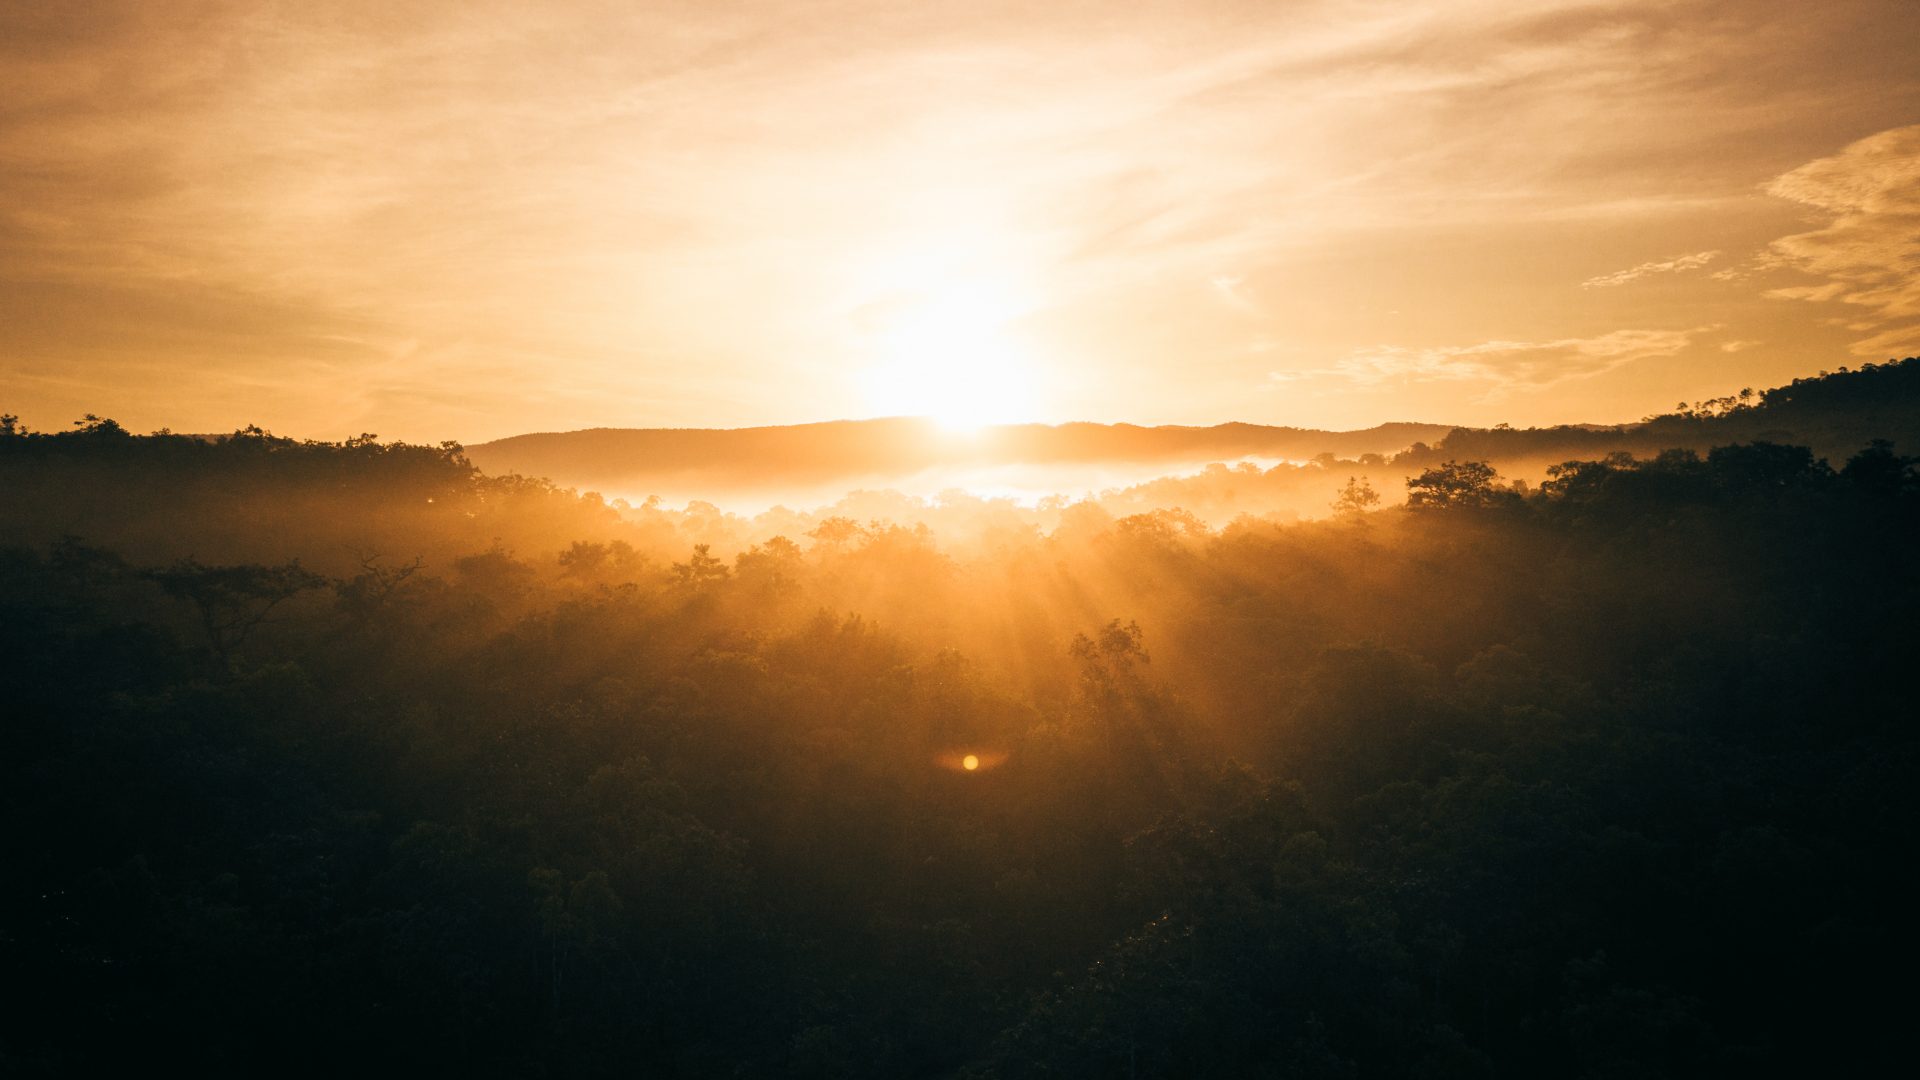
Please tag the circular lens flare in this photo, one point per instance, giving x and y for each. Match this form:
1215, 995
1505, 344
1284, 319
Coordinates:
980, 761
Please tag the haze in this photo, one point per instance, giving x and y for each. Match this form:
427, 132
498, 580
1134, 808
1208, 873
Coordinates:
849, 541
472, 220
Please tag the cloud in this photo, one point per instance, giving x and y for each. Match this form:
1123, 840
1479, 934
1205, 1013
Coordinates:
1674, 265
688, 213
1232, 290
1869, 249
1511, 365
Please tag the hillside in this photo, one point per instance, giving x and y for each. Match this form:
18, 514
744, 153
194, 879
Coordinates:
1834, 414
873, 451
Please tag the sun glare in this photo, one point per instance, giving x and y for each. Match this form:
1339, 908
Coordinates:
952, 357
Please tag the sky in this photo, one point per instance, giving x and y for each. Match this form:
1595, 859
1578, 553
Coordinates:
466, 220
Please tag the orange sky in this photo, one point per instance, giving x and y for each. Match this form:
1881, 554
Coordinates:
467, 220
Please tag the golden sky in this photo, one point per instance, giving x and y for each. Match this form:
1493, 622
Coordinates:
472, 219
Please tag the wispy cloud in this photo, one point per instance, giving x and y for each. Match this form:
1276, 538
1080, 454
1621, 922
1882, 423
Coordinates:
1232, 291
1869, 250
676, 212
1505, 365
1674, 265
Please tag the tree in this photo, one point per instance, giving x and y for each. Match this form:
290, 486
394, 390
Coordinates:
835, 533
1117, 648
1456, 484
495, 573
702, 569
368, 591
773, 567
91, 424
1356, 498
1879, 468
233, 601
1585, 478
1766, 466
615, 560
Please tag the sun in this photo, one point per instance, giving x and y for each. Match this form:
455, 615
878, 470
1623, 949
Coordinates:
952, 356
970, 762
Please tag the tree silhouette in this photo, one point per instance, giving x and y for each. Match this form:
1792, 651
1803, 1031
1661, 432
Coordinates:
702, 569
1356, 498
233, 601
1454, 485
1879, 468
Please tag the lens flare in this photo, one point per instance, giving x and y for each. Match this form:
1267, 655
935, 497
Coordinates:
978, 760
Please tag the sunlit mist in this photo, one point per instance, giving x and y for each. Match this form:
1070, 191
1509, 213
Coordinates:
887, 538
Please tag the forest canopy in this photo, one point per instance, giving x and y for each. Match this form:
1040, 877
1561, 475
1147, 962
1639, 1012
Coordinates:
316, 755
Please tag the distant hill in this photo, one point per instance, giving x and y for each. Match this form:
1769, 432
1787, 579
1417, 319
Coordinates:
1834, 413
643, 459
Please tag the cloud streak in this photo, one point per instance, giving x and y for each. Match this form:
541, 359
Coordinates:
1529, 364
1501, 369
674, 213
1679, 264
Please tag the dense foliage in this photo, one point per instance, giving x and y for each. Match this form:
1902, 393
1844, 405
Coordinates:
1609, 777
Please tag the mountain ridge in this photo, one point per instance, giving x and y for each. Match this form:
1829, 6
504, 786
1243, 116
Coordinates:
1834, 413
828, 450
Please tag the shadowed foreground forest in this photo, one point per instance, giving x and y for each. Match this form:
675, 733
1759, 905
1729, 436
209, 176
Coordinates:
325, 758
